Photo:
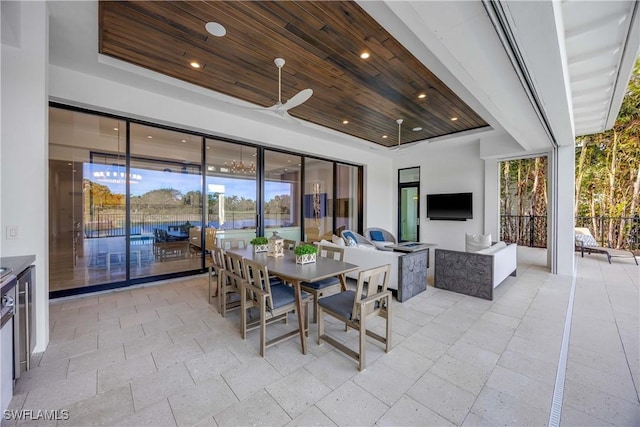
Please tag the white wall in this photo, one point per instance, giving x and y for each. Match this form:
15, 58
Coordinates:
446, 167
24, 156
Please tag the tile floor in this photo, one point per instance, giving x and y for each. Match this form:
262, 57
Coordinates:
161, 356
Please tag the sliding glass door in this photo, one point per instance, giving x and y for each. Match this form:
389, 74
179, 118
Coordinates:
132, 202
281, 198
231, 190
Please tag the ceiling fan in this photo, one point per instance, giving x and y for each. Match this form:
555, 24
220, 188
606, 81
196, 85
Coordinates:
399, 122
297, 99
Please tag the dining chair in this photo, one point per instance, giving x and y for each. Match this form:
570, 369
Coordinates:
371, 298
325, 286
233, 243
210, 238
231, 283
273, 301
289, 244
217, 269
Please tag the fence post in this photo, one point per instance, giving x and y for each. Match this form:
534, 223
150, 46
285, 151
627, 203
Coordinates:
531, 230
601, 230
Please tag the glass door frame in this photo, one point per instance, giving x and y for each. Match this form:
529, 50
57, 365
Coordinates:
403, 186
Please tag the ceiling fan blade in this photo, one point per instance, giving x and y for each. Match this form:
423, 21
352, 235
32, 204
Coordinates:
297, 99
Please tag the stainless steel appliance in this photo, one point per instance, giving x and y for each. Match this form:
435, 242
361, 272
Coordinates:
8, 284
24, 322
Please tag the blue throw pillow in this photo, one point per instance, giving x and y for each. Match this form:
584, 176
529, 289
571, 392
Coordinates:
349, 235
377, 236
351, 243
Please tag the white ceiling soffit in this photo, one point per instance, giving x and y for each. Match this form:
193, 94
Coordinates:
602, 40
458, 42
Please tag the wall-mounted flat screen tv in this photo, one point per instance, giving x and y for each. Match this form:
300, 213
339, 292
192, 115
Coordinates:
455, 206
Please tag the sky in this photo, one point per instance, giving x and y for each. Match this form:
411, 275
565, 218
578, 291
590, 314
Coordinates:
143, 181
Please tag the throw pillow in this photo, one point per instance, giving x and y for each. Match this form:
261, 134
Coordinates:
351, 243
336, 240
587, 239
376, 236
476, 242
347, 235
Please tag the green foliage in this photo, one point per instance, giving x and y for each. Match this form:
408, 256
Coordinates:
305, 249
259, 241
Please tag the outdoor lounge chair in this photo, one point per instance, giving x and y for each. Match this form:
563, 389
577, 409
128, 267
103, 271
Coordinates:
586, 242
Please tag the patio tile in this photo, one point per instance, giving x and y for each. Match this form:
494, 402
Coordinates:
364, 408
257, 409
297, 392
447, 400
408, 412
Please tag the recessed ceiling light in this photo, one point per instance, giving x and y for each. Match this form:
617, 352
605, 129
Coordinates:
299, 164
208, 148
417, 129
385, 136
254, 154
149, 136
115, 128
288, 161
453, 119
184, 140
344, 122
422, 95
365, 55
194, 64
215, 29
69, 164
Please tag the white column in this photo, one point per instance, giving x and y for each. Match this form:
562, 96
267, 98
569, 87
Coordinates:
24, 146
561, 235
492, 199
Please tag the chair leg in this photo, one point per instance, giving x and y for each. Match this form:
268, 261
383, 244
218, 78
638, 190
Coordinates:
263, 326
316, 296
388, 319
363, 336
320, 324
306, 319
243, 314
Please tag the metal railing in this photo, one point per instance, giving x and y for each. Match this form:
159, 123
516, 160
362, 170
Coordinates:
531, 230
525, 230
113, 224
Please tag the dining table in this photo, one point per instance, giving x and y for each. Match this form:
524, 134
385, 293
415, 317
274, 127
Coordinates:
286, 268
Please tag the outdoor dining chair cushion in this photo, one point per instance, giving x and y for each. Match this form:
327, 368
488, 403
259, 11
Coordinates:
321, 284
282, 295
376, 236
340, 303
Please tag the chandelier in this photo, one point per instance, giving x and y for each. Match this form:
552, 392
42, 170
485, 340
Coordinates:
240, 167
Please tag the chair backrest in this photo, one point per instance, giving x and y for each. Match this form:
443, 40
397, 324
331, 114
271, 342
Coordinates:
376, 234
289, 244
233, 243
218, 259
210, 238
359, 238
234, 263
370, 282
234, 270
258, 275
331, 252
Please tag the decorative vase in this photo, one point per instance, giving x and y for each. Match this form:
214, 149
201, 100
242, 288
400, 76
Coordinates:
260, 248
305, 258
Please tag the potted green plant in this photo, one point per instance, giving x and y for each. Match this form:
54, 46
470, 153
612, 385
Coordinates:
305, 253
260, 244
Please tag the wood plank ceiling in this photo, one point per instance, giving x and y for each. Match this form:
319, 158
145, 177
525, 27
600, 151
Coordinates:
321, 42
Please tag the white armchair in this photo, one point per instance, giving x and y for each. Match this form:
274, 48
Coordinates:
380, 237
